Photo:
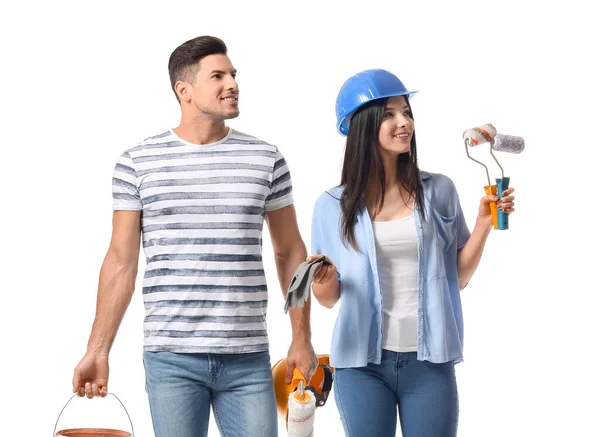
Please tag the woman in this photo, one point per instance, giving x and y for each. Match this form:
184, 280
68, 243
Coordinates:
399, 258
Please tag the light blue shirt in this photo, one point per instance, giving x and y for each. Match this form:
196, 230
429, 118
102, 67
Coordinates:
358, 330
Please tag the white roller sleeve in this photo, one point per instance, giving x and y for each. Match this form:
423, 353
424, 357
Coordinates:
301, 415
480, 135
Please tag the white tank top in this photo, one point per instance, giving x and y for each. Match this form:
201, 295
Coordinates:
398, 265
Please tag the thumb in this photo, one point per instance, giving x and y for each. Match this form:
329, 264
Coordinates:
76, 380
288, 373
489, 199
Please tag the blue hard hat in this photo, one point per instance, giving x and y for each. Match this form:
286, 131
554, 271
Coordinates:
362, 88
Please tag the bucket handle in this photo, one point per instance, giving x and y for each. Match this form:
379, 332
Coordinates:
75, 395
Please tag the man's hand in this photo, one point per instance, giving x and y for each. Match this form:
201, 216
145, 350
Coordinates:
301, 355
90, 377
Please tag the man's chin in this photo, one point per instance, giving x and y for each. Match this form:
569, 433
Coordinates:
232, 114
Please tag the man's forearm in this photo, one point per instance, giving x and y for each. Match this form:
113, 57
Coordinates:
286, 267
116, 286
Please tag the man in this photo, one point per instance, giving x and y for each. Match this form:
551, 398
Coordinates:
198, 196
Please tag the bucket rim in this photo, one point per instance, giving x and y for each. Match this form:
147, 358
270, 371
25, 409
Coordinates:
107, 431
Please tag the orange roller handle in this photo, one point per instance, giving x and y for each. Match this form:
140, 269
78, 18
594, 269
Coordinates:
493, 189
298, 378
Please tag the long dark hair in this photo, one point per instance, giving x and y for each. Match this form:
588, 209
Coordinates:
363, 163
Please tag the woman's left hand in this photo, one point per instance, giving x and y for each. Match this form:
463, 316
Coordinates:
505, 204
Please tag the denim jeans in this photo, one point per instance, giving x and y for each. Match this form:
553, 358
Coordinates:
421, 393
182, 387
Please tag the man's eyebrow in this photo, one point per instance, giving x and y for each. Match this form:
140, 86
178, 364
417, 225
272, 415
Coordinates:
223, 72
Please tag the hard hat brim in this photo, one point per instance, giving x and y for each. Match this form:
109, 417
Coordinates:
343, 125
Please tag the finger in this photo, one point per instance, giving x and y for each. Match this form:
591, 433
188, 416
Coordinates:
509, 211
507, 199
332, 270
325, 275
313, 369
103, 391
319, 274
508, 191
95, 390
88, 390
81, 392
306, 371
328, 276
314, 366
505, 205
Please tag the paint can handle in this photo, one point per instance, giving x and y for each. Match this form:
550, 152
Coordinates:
75, 395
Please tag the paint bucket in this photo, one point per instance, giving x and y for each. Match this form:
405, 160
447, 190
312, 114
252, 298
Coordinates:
92, 432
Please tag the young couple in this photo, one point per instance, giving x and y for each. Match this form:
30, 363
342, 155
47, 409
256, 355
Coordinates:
197, 196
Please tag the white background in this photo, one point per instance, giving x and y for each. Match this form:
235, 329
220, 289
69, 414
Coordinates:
81, 82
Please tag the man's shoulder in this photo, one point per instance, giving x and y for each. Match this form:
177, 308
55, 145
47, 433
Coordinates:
162, 139
237, 137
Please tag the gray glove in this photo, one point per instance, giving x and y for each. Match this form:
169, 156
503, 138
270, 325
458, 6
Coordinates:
299, 288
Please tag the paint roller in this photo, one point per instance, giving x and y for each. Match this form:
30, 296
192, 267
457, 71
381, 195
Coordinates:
297, 401
500, 143
301, 409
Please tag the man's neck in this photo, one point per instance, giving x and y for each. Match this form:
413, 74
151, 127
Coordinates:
201, 131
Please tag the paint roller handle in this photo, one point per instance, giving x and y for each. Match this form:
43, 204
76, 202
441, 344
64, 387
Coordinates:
501, 187
299, 381
493, 190
75, 395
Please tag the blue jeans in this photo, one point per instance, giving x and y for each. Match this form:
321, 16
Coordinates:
182, 387
423, 394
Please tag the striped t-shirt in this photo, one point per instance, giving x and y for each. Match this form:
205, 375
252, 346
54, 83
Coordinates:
203, 210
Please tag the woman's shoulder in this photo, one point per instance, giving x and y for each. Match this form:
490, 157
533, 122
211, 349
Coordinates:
329, 200
438, 181
332, 195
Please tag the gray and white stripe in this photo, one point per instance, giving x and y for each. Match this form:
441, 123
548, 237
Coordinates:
202, 209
